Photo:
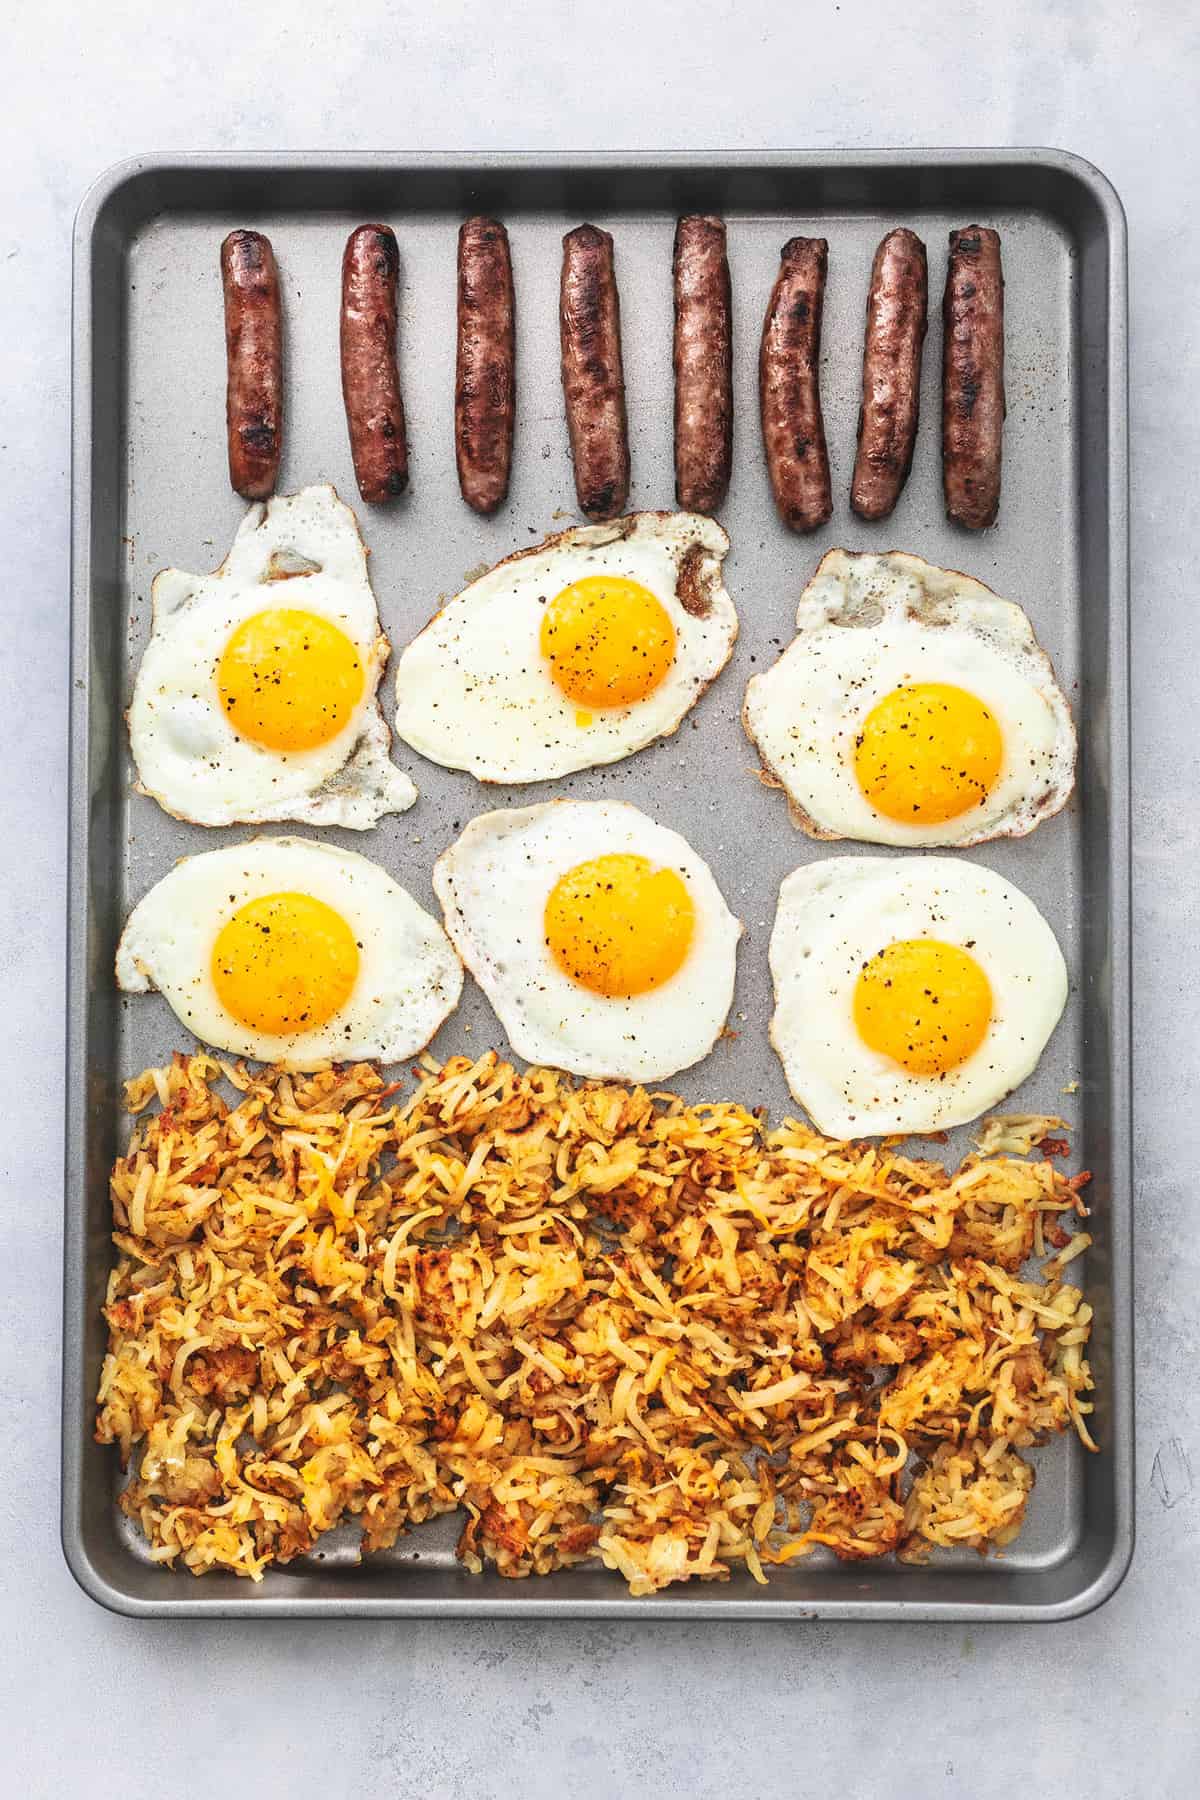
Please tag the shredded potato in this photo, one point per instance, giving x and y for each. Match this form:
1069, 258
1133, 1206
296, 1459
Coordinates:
603, 1323
1019, 1134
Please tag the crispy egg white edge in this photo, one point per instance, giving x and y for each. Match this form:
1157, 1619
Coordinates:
492, 962
454, 741
921, 1104
822, 606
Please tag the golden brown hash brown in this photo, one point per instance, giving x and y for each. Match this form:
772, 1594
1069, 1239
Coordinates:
603, 1322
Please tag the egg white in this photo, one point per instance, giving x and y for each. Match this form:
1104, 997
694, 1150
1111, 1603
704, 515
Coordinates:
409, 978
833, 917
493, 884
303, 551
474, 691
869, 624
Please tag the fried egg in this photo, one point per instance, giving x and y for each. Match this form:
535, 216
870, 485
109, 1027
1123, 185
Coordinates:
294, 952
600, 937
256, 697
913, 706
911, 993
575, 652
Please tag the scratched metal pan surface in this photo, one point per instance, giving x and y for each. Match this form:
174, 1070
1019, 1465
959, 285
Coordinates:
150, 488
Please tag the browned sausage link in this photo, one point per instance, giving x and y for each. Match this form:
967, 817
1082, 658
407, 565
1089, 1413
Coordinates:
592, 375
485, 376
789, 384
370, 379
254, 363
973, 377
703, 364
897, 314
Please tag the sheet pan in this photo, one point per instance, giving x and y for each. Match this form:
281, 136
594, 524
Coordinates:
150, 488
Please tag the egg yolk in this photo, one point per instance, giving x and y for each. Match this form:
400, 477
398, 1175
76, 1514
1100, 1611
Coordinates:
289, 680
609, 641
927, 753
924, 1004
284, 963
619, 926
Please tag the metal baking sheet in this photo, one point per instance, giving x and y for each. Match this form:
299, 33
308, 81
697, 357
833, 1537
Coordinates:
150, 488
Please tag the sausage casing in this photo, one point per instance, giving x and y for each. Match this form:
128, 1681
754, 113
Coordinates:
370, 378
790, 386
973, 377
485, 371
592, 374
254, 363
897, 315
703, 363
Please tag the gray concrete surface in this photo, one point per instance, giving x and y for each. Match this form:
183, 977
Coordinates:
97, 1705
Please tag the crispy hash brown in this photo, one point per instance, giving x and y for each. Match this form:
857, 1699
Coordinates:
600, 1321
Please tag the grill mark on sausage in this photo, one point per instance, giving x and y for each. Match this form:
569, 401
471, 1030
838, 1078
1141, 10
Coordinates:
897, 317
973, 378
789, 386
485, 372
592, 374
370, 378
254, 363
703, 356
